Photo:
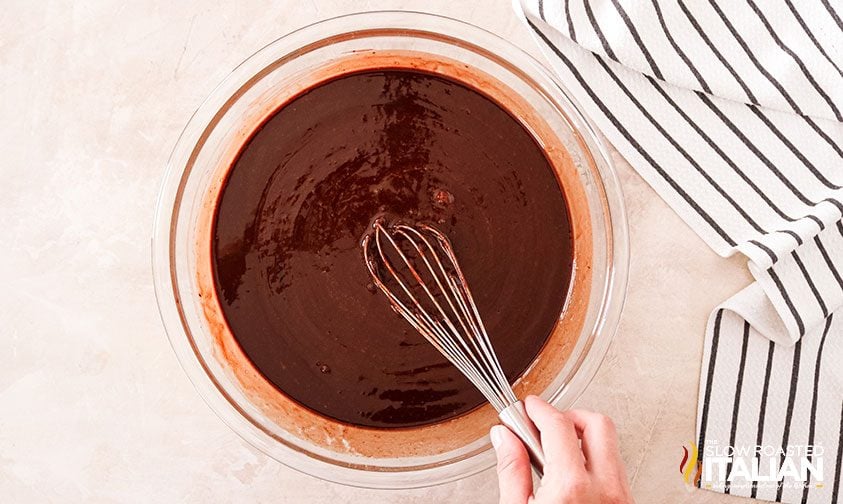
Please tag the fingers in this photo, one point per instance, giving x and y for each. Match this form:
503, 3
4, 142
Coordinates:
559, 438
588, 473
515, 477
599, 439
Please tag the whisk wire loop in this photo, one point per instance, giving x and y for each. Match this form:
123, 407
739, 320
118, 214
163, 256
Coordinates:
426, 286
453, 326
469, 309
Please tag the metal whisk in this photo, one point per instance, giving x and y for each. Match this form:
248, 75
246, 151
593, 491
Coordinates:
415, 267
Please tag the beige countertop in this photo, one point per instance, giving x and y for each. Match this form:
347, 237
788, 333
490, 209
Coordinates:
93, 404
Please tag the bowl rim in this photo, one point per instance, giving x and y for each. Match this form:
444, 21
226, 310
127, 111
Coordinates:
165, 216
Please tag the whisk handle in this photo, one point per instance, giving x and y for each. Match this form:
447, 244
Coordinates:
515, 418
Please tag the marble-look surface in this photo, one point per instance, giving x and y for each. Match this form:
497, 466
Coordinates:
93, 405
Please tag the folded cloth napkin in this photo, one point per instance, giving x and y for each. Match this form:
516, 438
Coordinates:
733, 112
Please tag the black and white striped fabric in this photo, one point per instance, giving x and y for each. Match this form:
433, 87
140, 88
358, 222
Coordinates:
732, 110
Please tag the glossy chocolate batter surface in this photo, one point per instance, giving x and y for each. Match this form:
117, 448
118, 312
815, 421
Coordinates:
396, 144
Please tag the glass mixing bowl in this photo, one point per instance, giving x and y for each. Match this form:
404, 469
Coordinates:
382, 458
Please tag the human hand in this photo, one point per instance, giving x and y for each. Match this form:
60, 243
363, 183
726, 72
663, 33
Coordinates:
589, 474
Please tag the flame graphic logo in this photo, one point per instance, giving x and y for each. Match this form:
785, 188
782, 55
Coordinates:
689, 464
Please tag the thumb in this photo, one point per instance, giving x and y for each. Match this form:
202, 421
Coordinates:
515, 477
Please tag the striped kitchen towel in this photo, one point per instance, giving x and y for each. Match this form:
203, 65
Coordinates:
732, 110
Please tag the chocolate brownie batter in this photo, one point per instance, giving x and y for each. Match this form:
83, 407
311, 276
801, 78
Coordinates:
397, 144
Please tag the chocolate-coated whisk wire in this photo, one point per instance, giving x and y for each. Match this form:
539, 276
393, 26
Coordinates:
417, 270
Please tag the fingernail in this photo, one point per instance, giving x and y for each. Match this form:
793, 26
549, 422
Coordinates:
496, 436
